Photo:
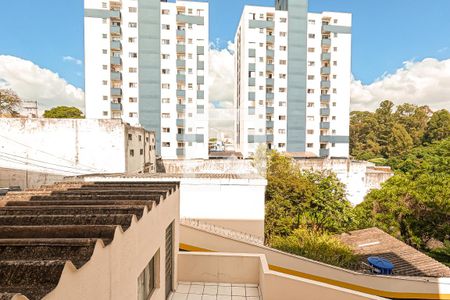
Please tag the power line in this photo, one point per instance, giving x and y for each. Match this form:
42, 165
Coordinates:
35, 165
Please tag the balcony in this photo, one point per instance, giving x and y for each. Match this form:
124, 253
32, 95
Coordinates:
270, 81
270, 110
326, 42
270, 39
181, 63
200, 65
116, 106
270, 67
200, 50
115, 30
182, 18
338, 139
252, 67
325, 84
261, 24
200, 95
324, 125
270, 96
269, 124
181, 48
190, 138
251, 111
116, 92
181, 108
116, 45
325, 70
181, 152
181, 77
115, 14
270, 53
326, 56
336, 29
116, 61
200, 79
324, 152
180, 122
181, 93
251, 96
181, 33
251, 53
269, 138
324, 111
251, 81
116, 76
325, 98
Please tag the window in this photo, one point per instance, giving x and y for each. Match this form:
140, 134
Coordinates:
131, 152
334, 104
133, 54
282, 48
311, 63
165, 144
310, 118
165, 86
104, 21
311, 50
132, 70
261, 30
132, 100
166, 130
165, 42
105, 36
311, 77
283, 76
190, 86
282, 118
165, 100
312, 36
283, 62
132, 40
165, 71
165, 115
132, 9
104, 51
335, 63
310, 104
333, 118
312, 22
282, 131
310, 131
165, 11
165, 26
334, 91
310, 91
132, 24
141, 152
310, 145
105, 67
190, 41
334, 76
282, 33
165, 56
282, 90
132, 115
130, 137
283, 20
105, 97
104, 5
282, 104
281, 145
105, 113
333, 145
105, 82
132, 84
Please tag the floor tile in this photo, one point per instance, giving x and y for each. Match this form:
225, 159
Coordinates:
238, 291
224, 290
238, 284
253, 298
251, 285
238, 298
223, 297
251, 291
198, 283
211, 283
178, 296
194, 297
183, 288
210, 290
224, 284
209, 297
196, 289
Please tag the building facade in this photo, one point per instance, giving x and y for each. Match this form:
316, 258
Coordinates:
293, 73
145, 64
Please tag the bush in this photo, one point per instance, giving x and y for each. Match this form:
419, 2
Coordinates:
316, 246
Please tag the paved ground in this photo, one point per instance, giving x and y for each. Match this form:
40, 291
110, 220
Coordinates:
216, 291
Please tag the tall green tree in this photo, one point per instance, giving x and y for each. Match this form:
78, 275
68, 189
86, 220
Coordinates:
399, 141
64, 112
438, 128
414, 119
9, 102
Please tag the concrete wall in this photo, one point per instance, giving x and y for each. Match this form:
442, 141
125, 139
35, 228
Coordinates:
26, 179
67, 146
194, 239
232, 166
113, 271
253, 268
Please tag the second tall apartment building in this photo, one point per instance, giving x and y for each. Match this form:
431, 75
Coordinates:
147, 64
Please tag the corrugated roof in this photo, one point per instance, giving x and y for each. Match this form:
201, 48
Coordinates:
43, 229
407, 260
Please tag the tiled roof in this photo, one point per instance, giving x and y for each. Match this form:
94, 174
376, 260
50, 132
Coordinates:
41, 230
407, 260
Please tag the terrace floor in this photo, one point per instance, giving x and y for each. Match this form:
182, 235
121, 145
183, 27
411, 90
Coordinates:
216, 291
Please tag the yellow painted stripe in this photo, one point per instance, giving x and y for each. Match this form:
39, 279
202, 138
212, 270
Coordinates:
350, 286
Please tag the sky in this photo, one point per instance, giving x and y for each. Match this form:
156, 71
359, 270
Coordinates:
395, 42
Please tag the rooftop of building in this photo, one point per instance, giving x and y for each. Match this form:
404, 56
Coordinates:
43, 229
407, 261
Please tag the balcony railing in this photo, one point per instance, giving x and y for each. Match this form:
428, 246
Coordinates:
324, 125
324, 152
181, 48
325, 98
200, 94
180, 122
324, 111
326, 56
270, 96
325, 70
116, 76
116, 45
116, 92
325, 84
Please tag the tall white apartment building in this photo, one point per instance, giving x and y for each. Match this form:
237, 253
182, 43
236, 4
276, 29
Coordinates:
146, 63
293, 73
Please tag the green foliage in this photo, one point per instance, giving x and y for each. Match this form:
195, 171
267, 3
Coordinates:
295, 199
64, 112
413, 205
317, 246
442, 254
9, 102
386, 133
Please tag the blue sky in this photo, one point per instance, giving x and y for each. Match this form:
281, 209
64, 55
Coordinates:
385, 32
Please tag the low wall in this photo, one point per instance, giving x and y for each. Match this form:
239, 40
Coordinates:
217, 166
253, 268
194, 239
26, 179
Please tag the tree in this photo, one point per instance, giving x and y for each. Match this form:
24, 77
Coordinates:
415, 119
438, 127
9, 102
64, 112
399, 141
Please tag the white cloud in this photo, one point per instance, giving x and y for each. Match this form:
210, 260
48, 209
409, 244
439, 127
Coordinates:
32, 82
422, 83
221, 87
72, 59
